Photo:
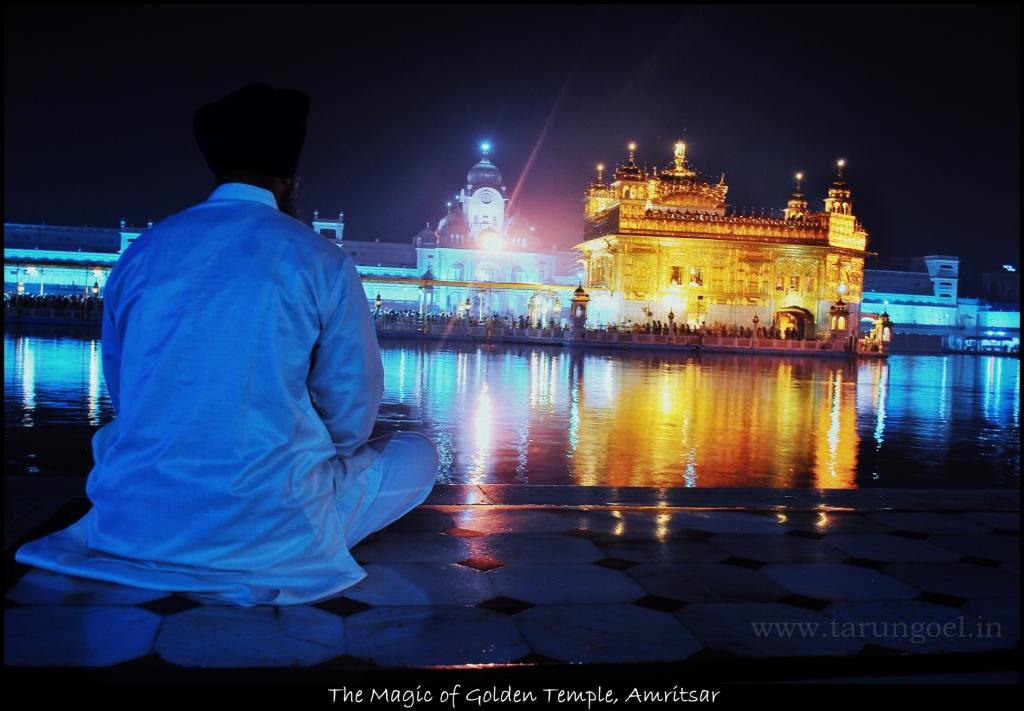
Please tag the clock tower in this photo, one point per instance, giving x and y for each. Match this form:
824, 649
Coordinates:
483, 201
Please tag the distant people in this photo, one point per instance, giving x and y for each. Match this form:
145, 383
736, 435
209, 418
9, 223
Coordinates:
238, 467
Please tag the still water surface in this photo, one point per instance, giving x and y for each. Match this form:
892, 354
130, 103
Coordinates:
539, 415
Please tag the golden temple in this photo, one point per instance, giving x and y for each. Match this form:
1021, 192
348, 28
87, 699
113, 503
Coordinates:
665, 245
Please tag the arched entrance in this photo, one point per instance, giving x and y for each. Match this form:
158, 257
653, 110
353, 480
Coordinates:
794, 322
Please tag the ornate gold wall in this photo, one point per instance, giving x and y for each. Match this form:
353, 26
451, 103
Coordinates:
656, 243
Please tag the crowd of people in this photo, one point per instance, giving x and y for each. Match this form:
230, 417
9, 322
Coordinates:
53, 302
659, 328
413, 320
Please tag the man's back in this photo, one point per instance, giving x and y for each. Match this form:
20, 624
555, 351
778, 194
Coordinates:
222, 325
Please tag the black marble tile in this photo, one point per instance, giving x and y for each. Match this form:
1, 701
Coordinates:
506, 605
343, 606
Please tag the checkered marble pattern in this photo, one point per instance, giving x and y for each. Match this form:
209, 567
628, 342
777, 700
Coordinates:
467, 584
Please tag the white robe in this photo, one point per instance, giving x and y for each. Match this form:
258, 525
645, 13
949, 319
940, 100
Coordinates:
218, 475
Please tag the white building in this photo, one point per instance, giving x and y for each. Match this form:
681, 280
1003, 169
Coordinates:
482, 255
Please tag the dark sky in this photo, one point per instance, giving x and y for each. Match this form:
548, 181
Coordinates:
923, 102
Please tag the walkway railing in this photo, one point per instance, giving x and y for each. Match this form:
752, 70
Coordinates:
461, 330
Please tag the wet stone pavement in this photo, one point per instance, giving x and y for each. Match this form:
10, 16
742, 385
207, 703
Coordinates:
470, 579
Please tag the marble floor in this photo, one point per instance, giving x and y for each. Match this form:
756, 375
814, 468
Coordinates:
483, 577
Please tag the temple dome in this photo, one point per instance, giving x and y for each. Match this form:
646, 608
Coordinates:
517, 226
453, 224
425, 237
484, 175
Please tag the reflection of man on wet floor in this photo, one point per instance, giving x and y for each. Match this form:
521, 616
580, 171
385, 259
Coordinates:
242, 364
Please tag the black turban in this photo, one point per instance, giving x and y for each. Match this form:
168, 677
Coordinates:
256, 128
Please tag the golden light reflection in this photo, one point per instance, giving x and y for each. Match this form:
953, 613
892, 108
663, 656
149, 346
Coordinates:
661, 532
736, 421
835, 466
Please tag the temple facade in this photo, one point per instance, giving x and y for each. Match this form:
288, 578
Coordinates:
665, 245
483, 259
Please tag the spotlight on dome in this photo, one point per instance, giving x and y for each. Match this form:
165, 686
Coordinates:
485, 147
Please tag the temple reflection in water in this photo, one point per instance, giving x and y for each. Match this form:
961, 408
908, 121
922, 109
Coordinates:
545, 416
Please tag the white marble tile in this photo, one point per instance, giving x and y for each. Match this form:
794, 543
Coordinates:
755, 629
77, 636
1004, 611
836, 581
705, 582
427, 636
304, 622
984, 545
732, 522
886, 547
488, 520
564, 584
958, 579
250, 637
824, 522
777, 549
605, 634
674, 550
421, 584
412, 548
924, 522
43, 587
1003, 520
422, 520
631, 525
534, 548
914, 627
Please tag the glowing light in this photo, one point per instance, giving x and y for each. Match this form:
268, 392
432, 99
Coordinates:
485, 147
600, 166
491, 241
842, 289
799, 176
631, 146
1009, 268
841, 162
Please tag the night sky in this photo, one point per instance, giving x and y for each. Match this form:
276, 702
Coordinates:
923, 102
